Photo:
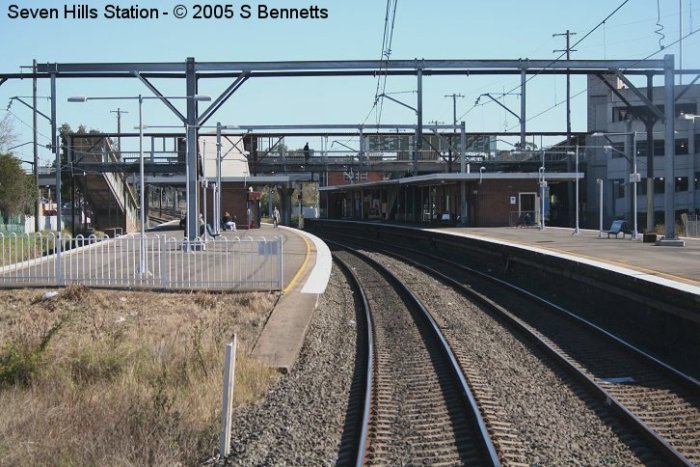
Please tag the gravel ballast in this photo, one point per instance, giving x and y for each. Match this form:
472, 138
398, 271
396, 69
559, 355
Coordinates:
301, 420
551, 421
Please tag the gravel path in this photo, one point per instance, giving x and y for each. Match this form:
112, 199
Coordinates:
301, 421
552, 423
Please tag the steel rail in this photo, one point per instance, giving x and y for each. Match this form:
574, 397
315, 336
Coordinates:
457, 372
369, 375
668, 451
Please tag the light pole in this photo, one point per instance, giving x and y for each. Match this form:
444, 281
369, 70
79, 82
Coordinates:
143, 267
577, 229
634, 176
543, 186
599, 181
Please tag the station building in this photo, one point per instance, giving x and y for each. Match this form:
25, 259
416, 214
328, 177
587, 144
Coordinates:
492, 197
617, 111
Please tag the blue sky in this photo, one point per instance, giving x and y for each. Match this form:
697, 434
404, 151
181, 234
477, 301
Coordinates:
459, 29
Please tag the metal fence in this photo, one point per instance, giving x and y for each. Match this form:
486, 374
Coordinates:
169, 262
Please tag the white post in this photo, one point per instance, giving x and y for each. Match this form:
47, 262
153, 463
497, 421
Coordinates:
206, 220
599, 181
227, 402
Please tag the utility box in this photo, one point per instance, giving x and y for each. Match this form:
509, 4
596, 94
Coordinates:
649, 238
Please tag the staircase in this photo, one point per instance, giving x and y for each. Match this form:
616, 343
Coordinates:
113, 202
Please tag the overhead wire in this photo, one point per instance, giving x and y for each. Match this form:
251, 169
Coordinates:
386, 54
519, 86
659, 26
26, 124
695, 31
601, 23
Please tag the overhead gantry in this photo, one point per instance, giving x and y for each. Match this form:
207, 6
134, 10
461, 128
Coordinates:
239, 72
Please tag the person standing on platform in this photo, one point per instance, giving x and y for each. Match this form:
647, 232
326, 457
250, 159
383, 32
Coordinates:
307, 153
275, 217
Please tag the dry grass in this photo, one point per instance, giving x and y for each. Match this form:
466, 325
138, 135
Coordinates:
121, 378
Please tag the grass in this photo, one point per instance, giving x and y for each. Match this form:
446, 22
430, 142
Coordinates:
121, 378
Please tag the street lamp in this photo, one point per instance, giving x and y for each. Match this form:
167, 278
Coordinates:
634, 176
143, 268
543, 186
599, 181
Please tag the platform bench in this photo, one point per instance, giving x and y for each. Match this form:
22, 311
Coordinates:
617, 227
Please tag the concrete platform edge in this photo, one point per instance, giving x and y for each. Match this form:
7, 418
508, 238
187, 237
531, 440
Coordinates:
282, 339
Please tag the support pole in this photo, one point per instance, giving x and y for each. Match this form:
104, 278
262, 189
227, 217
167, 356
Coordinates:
37, 202
523, 107
191, 156
143, 268
635, 179
57, 151
599, 181
217, 209
670, 149
577, 230
419, 126
649, 127
462, 168
55, 147
568, 51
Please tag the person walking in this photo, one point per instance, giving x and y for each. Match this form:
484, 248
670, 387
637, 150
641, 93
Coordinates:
275, 217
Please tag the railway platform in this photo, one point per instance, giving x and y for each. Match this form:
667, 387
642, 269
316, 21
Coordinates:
675, 267
307, 267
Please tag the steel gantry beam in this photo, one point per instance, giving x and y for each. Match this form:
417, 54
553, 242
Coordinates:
370, 67
192, 71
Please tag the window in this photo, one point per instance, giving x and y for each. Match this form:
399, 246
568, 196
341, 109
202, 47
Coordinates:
659, 186
618, 188
642, 187
697, 142
659, 147
697, 180
681, 184
682, 146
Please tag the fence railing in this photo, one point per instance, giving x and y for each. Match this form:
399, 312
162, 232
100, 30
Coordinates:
169, 263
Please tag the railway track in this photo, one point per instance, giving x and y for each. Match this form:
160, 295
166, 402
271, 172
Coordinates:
417, 407
658, 403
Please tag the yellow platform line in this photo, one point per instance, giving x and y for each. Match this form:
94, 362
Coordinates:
635, 267
294, 280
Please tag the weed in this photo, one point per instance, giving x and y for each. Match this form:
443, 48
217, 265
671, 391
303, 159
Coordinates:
19, 361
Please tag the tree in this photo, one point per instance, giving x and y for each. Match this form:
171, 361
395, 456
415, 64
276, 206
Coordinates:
17, 188
527, 147
7, 133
